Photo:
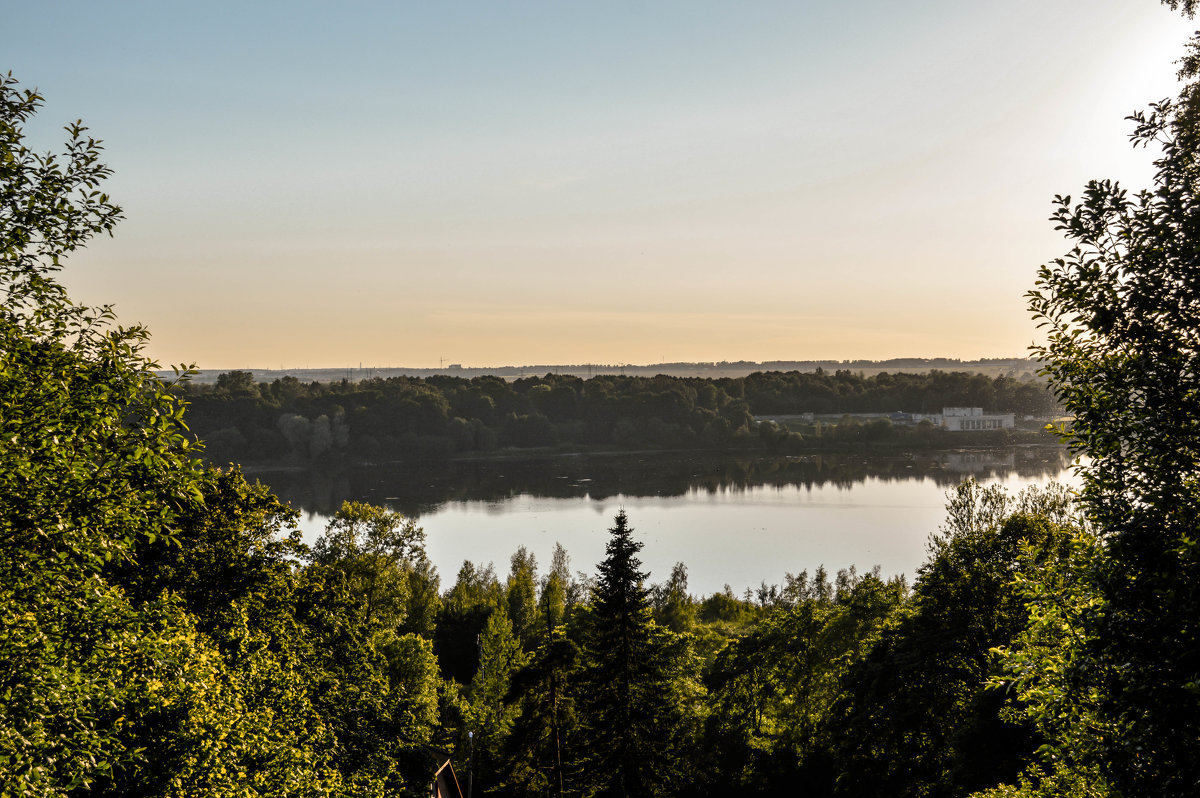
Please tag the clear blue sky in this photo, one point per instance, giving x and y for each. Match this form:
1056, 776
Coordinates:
323, 184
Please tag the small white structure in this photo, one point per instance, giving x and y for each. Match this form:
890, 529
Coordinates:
963, 419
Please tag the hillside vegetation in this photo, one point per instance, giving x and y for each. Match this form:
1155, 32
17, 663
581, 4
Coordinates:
164, 631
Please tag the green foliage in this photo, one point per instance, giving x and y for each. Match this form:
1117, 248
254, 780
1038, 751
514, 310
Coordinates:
424, 599
771, 692
674, 608
559, 593
237, 385
437, 417
50, 205
728, 610
232, 552
465, 610
1043, 665
223, 716
638, 678
488, 713
376, 681
157, 635
375, 548
916, 718
92, 463
521, 596
375, 689
540, 756
1121, 311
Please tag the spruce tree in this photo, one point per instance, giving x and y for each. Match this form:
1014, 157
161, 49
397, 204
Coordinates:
637, 683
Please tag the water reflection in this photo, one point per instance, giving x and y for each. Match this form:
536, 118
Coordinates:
732, 520
422, 489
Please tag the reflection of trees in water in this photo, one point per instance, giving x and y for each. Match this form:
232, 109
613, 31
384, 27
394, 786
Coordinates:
416, 489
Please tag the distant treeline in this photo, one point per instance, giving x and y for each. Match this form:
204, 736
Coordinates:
440, 416
1011, 366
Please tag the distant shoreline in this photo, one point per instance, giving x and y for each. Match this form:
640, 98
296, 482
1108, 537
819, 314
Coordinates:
908, 446
992, 367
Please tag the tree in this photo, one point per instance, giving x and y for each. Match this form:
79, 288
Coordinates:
1122, 313
375, 548
538, 752
1188, 7
107, 686
521, 596
558, 592
917, 717
424, 600
376, 678
237, 384
1041, 667
234, 553
78, 486
771, 690
465, 610
674, 608
638, 688
488, 713
375, 689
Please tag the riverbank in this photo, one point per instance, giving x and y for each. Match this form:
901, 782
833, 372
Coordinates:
830, 441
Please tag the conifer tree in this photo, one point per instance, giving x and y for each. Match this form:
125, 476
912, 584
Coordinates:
638, 683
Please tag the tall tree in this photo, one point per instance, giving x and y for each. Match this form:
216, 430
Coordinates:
488, 713
1122, 315
534, 752
557, 591
638, 689
108, 684
465, 610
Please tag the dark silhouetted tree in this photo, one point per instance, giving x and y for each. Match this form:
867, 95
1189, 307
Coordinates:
639, 685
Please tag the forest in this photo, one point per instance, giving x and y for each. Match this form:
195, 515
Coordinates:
165, 632
438, 417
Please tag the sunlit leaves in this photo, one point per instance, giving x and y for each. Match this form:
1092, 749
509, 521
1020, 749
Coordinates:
1121, 318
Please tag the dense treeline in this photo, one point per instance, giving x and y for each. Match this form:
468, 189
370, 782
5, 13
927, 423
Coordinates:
403, 417
842, 684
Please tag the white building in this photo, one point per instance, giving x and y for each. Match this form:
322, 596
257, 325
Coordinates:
963, 419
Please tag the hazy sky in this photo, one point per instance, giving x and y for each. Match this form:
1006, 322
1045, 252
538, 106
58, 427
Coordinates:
392, 183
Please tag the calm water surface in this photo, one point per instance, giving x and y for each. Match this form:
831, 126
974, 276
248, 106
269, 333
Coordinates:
736, 521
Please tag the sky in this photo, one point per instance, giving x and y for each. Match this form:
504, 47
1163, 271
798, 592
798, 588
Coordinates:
320, 184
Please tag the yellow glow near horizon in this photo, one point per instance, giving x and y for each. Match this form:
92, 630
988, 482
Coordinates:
399, 185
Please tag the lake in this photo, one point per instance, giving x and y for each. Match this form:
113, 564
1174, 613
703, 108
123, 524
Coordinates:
733, 520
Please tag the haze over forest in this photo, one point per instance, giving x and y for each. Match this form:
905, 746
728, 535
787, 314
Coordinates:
1021, 368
